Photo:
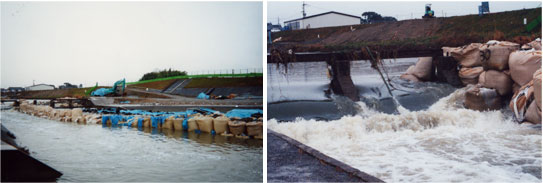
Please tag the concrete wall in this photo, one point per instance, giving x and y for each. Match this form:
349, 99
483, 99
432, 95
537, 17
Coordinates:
328, 20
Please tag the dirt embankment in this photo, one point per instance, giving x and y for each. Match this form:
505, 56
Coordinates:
429, 33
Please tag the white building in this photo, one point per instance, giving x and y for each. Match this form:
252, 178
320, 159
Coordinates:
40, 87
328, 19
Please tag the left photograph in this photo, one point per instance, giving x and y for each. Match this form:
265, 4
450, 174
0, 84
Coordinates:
131, 91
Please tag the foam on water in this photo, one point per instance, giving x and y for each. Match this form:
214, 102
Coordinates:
444, 143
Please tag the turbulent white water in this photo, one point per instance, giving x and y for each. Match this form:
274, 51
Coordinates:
444, 143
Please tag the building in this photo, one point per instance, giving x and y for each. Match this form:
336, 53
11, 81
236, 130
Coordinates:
16, 89
67, 85
274, 28
40, 87
328, 19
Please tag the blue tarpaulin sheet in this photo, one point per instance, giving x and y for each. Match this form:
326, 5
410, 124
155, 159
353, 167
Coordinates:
202, 95
101, 92
242, 113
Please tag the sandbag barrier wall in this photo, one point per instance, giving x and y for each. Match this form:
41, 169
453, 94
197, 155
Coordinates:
242, 126
495, 73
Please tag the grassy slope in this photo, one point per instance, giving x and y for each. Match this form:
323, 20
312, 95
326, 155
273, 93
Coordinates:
454, 31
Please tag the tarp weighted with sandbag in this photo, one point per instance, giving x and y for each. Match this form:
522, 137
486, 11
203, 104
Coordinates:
482, 99
496, 80
205, 124
220, 124
523, 64
470, 75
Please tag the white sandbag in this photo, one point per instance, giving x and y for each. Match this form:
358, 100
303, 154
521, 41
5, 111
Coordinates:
220, 124
470, 75
497, 80
523, 64
423, 69
467, 56
537, 87
482, 99
76, 112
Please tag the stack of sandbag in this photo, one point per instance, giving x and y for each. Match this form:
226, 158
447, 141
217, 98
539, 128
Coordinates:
220, 124
536, 45
421, 71
469, 57
526, 102
482, 99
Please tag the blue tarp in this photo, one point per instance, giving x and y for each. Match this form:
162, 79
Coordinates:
242, 113
202, 95
101, 92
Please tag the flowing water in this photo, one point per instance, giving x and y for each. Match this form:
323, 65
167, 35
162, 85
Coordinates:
96, 153
431, 137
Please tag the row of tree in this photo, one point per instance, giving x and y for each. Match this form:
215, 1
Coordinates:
372, 17
163, 74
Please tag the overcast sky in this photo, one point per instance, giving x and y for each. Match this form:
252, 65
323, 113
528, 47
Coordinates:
400, 10
89, 42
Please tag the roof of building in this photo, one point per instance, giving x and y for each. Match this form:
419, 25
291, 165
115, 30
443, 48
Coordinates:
42, 85
323, 14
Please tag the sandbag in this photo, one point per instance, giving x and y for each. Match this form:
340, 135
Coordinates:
536, 44
496, 55
482, 99
76, 112
147, 122
520, 100
135, 122
516, 87
422, 69
254, 128
236, 127
220, 124
537, 87
192, 124
496, 80
533, 113
178, 123
168, 123
205, 124
523, 65
409, 77
467, 56
470, 75
80, 119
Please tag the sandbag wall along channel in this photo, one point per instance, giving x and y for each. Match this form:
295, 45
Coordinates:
241, 123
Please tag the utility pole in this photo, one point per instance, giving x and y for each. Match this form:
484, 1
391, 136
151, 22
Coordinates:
303, 8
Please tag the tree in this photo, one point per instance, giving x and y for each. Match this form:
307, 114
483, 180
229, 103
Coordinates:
372, 17
162, 74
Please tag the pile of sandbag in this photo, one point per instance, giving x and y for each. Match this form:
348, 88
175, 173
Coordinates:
526, 102
421, 71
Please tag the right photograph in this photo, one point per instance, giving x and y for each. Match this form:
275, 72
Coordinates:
404, 91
